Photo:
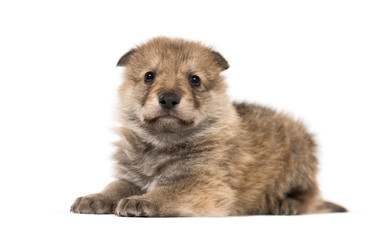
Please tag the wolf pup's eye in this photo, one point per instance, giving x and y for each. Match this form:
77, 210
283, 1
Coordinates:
194, 80
149, 77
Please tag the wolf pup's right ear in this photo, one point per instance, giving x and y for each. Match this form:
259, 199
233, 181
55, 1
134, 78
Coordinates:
125, 59
220, 60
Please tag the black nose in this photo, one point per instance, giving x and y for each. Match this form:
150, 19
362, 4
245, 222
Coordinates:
169, 100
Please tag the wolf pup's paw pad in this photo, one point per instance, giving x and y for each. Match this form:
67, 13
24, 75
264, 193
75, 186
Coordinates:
135, 207
92, 204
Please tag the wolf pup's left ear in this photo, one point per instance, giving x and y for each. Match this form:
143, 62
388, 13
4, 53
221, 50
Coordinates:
220, 60
125, 59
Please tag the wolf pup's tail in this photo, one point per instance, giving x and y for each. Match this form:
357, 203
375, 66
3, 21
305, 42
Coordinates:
328, 207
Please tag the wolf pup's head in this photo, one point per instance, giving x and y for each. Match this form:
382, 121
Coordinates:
172, 86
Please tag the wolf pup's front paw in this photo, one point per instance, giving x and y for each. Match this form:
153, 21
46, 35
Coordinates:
136, 207
93, 204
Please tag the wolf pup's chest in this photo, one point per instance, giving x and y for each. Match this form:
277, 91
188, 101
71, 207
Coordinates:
151, 169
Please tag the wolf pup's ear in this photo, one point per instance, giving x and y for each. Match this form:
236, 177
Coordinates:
125, 59
220, 60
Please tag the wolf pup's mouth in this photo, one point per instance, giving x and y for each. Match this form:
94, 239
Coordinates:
168, 118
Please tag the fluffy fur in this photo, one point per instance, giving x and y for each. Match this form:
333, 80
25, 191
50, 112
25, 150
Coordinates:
207, 156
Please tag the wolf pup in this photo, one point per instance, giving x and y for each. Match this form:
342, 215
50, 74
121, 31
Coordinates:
187, 150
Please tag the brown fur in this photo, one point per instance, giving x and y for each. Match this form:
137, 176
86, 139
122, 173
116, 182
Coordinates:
207, 156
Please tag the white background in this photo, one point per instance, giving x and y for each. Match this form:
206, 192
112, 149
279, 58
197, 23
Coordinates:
325, 62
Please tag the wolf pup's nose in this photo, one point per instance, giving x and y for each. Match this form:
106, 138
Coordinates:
169, 100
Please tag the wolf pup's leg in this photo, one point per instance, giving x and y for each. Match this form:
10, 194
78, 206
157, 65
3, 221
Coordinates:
106, 200
187, 198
